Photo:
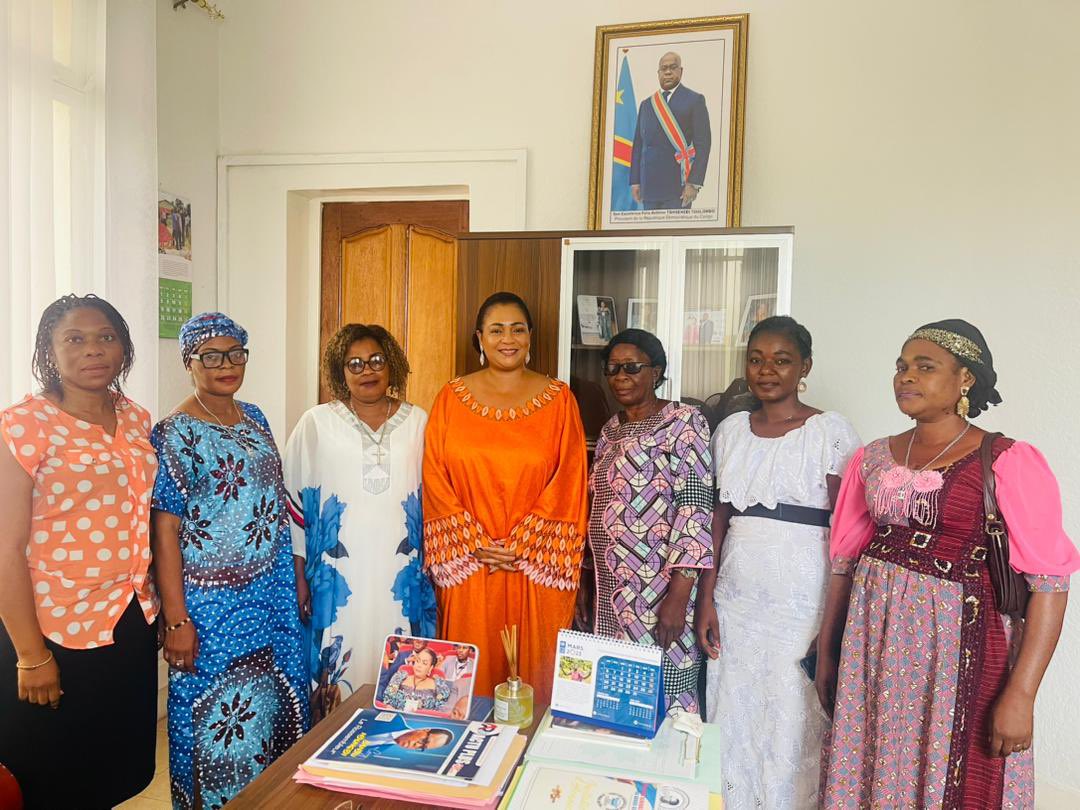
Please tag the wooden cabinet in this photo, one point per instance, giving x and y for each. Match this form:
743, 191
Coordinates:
526, 264
699, 291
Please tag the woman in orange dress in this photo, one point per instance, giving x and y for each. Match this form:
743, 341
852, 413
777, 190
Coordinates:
505, 502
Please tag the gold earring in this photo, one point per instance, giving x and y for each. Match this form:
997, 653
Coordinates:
963, 405
802, 386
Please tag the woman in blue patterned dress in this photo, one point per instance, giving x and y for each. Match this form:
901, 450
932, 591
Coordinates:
223, 564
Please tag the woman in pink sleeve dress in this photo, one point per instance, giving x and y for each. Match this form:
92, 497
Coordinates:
932, 690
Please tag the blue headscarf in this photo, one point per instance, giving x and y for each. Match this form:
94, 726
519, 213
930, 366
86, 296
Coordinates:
200, 328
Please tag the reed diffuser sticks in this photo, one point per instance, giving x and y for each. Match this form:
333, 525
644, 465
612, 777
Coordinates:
510, 646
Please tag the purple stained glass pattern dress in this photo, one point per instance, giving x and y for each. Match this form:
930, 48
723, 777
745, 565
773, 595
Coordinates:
651, 486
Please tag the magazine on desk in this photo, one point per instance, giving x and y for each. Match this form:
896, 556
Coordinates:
389, 743
607, 682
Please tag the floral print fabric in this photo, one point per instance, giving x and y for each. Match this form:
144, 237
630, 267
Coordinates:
246, 703
356, 520
407, 698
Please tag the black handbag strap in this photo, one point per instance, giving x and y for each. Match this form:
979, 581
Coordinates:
986, 453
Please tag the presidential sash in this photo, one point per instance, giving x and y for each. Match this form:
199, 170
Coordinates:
684, 153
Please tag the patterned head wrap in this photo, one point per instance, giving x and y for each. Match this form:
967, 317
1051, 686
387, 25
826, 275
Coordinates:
967, 344
200, 328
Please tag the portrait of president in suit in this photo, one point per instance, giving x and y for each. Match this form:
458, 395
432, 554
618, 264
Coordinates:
672, 142
664, 154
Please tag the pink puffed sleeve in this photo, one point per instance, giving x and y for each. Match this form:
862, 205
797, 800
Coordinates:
1030, 501
852, 526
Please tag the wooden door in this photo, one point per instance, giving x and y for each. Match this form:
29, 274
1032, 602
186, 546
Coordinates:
395, 264
404, 277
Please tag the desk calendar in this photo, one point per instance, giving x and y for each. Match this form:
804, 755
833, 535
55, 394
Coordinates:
607, 682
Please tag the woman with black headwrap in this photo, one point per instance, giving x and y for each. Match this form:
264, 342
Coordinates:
932, 689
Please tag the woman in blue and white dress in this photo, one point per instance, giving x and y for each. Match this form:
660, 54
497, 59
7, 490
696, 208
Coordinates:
223, 566
352, 469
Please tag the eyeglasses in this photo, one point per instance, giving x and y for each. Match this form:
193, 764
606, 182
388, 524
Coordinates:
215, 359
355, 365
633, 369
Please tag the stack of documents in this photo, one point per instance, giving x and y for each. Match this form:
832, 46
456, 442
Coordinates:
450, 763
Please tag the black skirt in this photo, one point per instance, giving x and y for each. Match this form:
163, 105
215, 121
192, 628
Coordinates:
96, 749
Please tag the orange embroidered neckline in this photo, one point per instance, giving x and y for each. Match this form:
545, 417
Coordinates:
466, 398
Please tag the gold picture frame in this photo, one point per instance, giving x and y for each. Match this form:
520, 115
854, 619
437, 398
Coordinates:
717, 50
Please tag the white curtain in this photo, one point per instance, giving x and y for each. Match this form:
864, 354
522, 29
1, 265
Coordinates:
26, 210
123, 180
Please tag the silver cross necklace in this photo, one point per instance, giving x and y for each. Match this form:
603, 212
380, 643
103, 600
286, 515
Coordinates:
377, 438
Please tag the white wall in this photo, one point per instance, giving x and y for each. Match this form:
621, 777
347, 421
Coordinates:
270, 260
925, 152
187, 137
130, 215
187, 130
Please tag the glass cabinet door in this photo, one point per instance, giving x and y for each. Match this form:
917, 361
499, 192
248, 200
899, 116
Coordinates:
611, 286
700, 295
723, 287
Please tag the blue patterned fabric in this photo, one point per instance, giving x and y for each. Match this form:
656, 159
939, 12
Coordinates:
246, 703
198, 329
412, 587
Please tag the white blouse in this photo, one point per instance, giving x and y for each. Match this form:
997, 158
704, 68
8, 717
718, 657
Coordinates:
791, 468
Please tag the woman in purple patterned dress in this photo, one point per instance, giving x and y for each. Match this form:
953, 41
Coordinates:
932, 690
650, 524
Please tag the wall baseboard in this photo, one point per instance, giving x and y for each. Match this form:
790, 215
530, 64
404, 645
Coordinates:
1049, 796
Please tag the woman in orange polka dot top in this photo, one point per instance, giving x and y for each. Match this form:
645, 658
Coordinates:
78, 653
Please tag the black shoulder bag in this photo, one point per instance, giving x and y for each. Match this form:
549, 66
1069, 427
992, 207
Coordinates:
1010, 588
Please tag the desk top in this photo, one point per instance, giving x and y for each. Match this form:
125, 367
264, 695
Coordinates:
274, 788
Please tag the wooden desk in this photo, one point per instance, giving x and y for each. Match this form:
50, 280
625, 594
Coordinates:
275, 789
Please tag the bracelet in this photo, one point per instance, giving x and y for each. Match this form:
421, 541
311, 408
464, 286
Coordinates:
169, 628
689, 573
34, 666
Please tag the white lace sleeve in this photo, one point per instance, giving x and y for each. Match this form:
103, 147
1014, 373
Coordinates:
841, 442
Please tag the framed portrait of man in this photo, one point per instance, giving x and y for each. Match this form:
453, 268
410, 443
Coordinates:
667, 127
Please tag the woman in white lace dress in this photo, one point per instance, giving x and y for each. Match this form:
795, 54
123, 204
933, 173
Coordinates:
777, 473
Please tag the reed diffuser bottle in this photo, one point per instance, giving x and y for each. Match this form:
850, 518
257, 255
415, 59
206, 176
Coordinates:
513, 699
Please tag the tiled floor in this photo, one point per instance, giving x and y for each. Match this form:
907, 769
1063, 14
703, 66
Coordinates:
156, 796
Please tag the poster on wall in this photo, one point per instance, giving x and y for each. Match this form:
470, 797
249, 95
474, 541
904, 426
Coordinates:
667, 136
174, 263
